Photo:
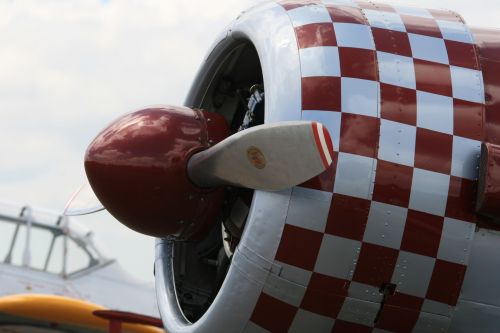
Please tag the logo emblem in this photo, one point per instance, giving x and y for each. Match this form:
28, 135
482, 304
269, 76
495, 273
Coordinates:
256, 158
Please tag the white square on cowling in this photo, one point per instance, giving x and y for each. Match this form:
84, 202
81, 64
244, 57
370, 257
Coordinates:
308, 15
437, 308
359, 312
412, 273
429, 192
431, 323
360, 96
385, 20
284, 290
354, 35
396, 70
467, 84
309, 208
428, 48
336, 256
397, 142
304, 320
465, 158
330, 119
254, 328
320, 61
435, 112
350, 3
365, 292
293, 273
456, 240
355, 174
420, 12
386, 225
455, 31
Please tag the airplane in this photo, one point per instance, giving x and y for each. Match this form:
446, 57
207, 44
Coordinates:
54, 278
334, 169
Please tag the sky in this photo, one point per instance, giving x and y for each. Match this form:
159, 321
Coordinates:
68, 68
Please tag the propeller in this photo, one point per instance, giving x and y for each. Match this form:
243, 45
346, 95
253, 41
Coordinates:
266, 157
162, 171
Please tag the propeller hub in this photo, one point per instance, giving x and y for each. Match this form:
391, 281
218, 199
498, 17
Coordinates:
137, 168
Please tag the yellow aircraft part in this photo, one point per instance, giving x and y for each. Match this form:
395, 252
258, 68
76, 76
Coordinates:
63, 310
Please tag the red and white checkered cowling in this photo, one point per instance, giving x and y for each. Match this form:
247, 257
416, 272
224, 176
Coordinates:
402, 93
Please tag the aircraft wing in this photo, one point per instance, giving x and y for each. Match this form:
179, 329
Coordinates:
31, 313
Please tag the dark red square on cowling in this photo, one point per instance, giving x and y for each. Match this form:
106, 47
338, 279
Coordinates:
292, 250
392, 41
358, 63
342, 326
321, 93
468, 119
328, 284
445, 15
325, 180
393, 183
405, 301
433, 77
397, 319
346, 14
462, 54
461, 199
325, 295
376, 6
292, 4
398, 104
422, 233
375, 265
316, 34
421, 26
359, 134
491, 68
446, 282
433, 151
267, 311
347, 217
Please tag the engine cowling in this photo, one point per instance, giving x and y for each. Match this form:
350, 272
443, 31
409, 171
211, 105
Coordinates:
383, 238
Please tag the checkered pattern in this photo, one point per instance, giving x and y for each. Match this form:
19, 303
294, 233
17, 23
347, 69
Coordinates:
401, 92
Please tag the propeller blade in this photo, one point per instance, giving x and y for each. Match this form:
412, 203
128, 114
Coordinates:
83, 202
268, 157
